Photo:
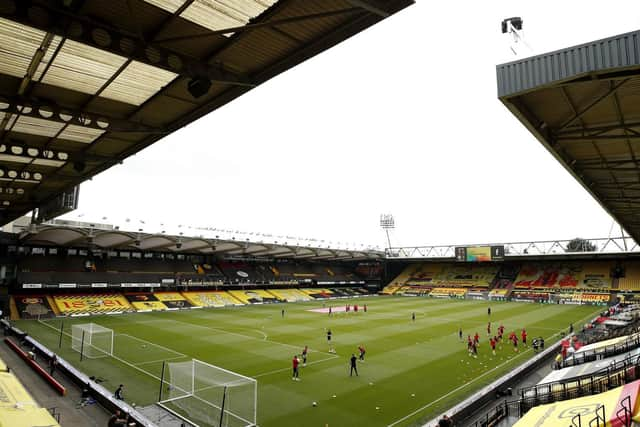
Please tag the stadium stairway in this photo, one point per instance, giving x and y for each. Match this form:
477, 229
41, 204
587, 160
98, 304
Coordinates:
67, 406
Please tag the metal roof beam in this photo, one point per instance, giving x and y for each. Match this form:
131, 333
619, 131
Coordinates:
371, 6
595, 102
598, 138
48, 17
267, 24
52, 111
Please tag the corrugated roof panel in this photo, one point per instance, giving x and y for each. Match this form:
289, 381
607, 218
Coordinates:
18, 43
168, 5
82, 68
80, 133
137, 83
221, 14
528, 73
47, 57
36, 126
36, 161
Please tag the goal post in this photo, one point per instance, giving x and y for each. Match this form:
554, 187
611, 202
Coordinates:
92, 340
207, 395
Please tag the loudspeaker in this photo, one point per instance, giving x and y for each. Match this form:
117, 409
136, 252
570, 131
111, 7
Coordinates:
199, 86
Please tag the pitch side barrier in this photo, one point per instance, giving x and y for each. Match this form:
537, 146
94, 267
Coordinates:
465, 409
99, 393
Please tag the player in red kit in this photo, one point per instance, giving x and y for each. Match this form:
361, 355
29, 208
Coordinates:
476, 338
514, 340
295, 362
492, 342
523, 335
355, 308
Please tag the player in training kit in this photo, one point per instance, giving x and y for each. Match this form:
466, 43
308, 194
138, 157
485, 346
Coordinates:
362, 352
492, 341
364, 308
295, 362
413, 316
514, 339
489, 329
474, 349
304, 355
523, 335
331, 350
329, 311
460, 334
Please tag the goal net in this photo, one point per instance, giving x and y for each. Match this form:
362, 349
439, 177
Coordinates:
207, 395
92, 340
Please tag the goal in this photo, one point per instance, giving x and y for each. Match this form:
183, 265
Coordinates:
92, 340
207, 395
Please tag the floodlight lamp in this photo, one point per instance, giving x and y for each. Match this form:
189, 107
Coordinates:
516, 23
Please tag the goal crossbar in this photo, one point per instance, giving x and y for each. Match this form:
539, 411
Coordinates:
196, 385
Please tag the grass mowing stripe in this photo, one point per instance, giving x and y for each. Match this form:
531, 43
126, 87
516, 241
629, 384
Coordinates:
160, 360
298, 347
155, 345
264, 374
131, 365
417, 411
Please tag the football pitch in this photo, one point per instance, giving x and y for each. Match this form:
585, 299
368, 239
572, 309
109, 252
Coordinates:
413, 370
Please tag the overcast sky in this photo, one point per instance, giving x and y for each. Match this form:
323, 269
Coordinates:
402, 118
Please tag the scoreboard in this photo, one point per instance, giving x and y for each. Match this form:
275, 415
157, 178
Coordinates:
479, 253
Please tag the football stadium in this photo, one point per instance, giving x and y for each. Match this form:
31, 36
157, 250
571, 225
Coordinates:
110, 324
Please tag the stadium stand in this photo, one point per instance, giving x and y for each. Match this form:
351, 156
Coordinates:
617, 406
448, 292
210, 299
145, 301
290, 295
92, 304
254, 296
604, 357
318, 293
172, 300
33, 306
18, 408
631, 279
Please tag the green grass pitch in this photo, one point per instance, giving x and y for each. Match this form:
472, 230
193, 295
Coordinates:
412, 372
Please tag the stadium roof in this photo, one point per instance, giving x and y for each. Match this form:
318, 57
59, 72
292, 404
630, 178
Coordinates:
583, 104
86, 84
107, 237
